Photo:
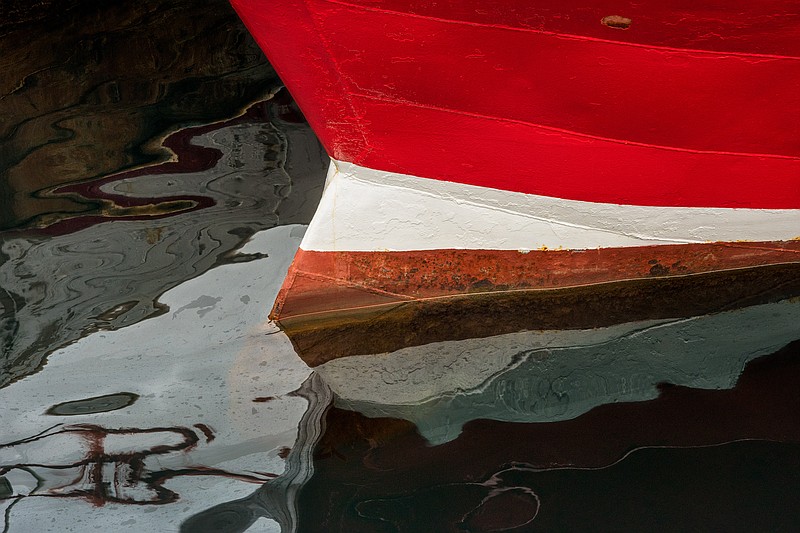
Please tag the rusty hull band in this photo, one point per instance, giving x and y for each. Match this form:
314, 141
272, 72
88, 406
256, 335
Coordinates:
321, 337
322, 282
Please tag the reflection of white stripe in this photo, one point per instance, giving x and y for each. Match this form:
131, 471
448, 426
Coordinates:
545, 376
369, 210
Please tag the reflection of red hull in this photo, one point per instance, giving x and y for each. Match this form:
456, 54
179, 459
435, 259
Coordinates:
680, 129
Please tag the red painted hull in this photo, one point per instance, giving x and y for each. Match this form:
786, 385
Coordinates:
695, 104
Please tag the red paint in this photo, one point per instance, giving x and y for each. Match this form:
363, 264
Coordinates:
321, 282
767, 27
693, 105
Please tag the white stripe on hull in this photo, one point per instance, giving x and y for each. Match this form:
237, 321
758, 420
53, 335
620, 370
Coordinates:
368, 210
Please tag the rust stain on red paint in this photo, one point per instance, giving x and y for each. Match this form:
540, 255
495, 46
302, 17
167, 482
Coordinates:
617, 22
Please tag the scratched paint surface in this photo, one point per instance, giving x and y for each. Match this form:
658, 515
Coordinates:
153, 197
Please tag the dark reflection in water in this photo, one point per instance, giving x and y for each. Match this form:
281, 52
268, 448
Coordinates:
66, 143
720, 488
644, 426
691, 459
89, 87
57, 288
549, 376
97, 404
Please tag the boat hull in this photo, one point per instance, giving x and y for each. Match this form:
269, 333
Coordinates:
501, 152
463, 261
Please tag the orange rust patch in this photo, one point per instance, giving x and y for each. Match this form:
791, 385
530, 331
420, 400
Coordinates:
617, 21
335, 282
321, 337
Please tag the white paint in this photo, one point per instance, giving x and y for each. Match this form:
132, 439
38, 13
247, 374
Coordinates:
369, 210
